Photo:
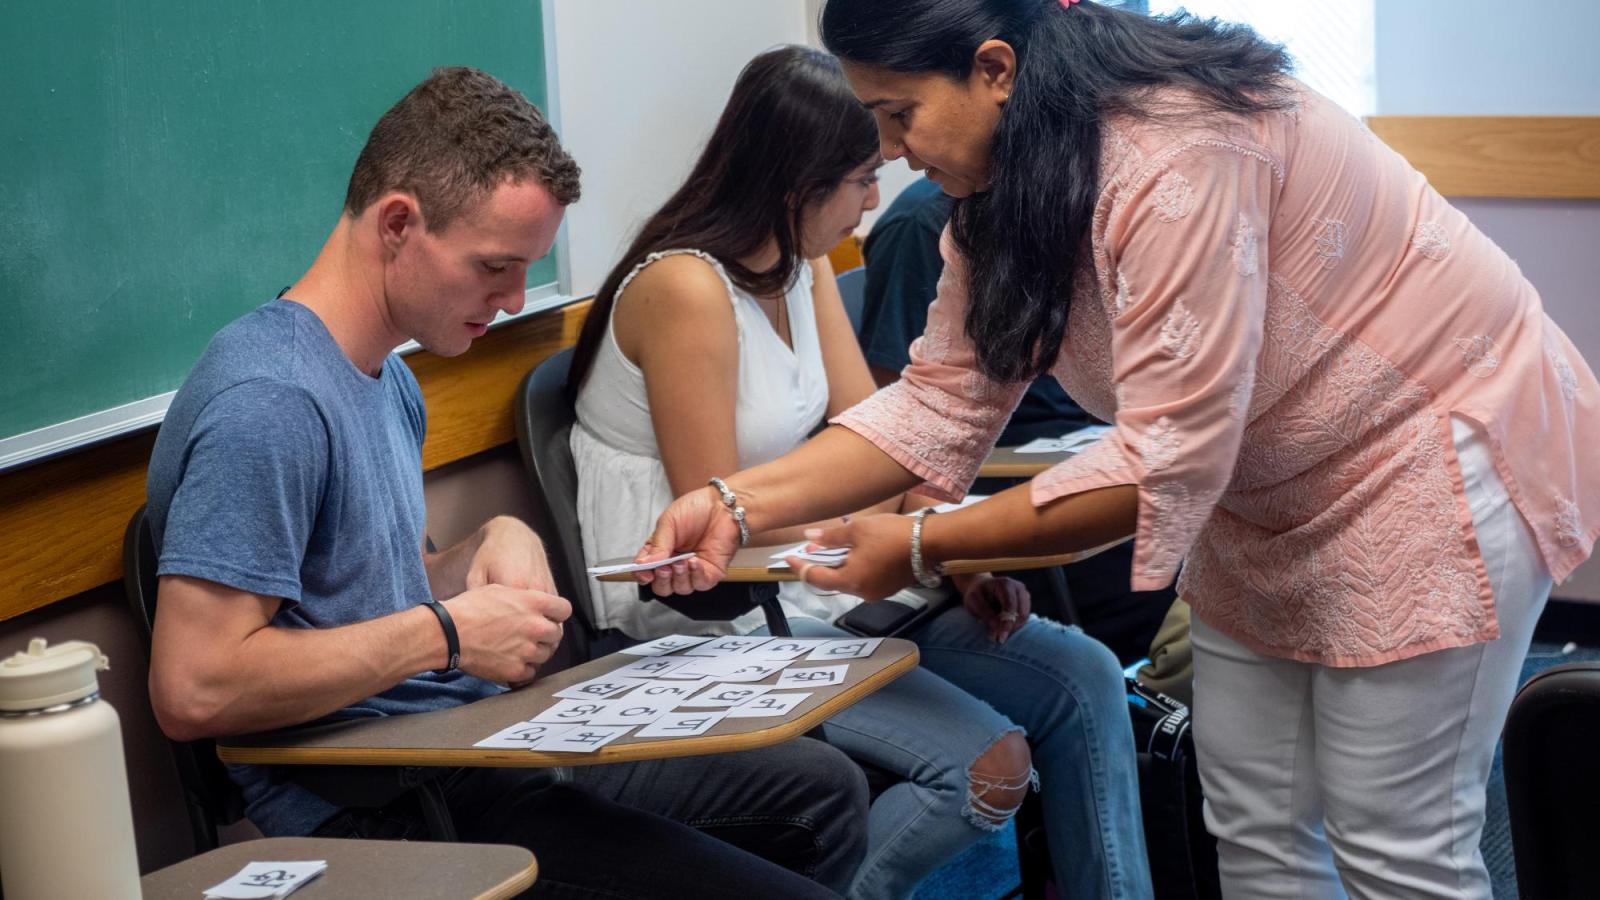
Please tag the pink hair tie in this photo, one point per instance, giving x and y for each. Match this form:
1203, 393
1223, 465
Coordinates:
1068, 4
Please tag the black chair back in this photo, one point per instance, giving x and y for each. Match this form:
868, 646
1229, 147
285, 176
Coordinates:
544, 420
1552, 783
210, 796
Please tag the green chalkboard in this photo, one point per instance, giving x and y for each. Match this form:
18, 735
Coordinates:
166, 165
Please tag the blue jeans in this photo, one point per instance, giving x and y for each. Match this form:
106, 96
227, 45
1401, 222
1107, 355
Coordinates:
1063, 688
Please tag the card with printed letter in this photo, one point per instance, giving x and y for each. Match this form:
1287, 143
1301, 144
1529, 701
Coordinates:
682, 724
725, 645
264, 880
572, 711
583, 739
769, 705
667, 692
730, 668
599, 688
813, 676
786, 648
628, 712
649, 667
672, 643
854, 648
754, 670
521, 736
725, 695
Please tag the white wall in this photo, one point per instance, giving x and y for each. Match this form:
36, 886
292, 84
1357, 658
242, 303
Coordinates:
1488, 57
639, 85
1491, 58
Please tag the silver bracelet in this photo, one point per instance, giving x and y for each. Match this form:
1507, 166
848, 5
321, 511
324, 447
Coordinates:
925, 576
732, 503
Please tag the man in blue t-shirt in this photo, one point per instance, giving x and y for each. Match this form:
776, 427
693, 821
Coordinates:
903, 268
285, 496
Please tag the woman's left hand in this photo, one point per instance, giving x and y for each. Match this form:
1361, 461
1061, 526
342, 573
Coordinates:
1001, 604
879, 563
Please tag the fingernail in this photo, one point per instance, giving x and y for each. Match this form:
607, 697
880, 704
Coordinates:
813, 534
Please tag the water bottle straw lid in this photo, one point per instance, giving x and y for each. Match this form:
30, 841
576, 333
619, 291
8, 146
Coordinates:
44, 676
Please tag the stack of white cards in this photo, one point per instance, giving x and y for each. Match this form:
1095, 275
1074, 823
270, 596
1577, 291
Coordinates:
266, 880
682, 686
597, 571
1072, 441
831, 557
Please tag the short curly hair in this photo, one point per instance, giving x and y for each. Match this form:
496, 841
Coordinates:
455, 137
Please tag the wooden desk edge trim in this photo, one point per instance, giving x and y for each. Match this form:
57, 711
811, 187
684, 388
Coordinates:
693, 746
515, 884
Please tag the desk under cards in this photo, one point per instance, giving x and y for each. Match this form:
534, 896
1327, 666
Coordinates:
677, 696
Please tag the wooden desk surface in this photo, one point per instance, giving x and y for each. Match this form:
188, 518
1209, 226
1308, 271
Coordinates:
1006, 462
395, 870
752, 564
445, 737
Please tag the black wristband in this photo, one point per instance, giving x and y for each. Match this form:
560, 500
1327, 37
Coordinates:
452, 642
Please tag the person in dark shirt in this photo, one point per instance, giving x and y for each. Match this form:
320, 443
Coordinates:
903, 268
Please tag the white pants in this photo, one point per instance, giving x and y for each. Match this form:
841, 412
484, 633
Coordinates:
1323, 780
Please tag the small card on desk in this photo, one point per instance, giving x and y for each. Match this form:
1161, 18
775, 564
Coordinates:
266, 880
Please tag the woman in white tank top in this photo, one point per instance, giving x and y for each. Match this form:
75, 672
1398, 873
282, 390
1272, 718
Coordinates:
714, 346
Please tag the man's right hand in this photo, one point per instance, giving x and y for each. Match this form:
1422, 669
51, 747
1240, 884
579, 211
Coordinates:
506, 633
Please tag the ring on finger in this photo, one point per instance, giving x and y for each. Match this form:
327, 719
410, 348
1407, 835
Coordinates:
804, 568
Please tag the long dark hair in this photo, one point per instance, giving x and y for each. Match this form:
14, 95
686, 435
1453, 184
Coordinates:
790, 134
1025, 239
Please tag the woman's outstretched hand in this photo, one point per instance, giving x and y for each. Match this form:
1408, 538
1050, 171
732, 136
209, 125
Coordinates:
694, 522
879, 563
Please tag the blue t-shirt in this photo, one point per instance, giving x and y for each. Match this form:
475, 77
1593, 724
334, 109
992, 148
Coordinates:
903, 268
283, 470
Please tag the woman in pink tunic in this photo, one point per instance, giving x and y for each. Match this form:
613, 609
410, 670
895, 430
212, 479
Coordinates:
1338, 406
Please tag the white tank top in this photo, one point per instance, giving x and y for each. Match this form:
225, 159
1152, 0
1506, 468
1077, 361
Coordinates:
622, 486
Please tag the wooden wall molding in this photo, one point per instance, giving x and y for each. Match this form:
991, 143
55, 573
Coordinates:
1500, 156
63, 518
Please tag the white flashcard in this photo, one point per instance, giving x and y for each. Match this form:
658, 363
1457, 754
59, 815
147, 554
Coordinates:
769, 705
725, 695
572, 711
521, 736
583, 739
262, 880
598, 688
665, 692
731, 668
724, 645
638, 567
1071, 441
813, 676
827, 557
786, 648
631, 712
662, 646
854, 648
754, 670
820, 552
649, 667
682, 724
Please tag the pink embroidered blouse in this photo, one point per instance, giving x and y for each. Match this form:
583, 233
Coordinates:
1282, 317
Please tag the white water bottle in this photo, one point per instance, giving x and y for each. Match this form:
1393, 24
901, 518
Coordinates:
66, 829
